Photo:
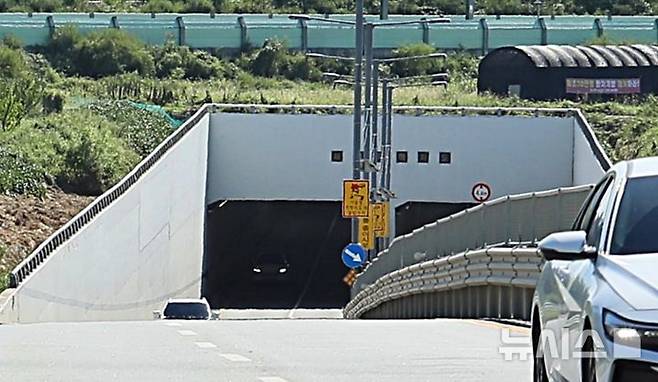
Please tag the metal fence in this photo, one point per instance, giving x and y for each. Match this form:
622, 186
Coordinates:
234, 32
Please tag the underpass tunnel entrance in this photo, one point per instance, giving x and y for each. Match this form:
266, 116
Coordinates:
275, 254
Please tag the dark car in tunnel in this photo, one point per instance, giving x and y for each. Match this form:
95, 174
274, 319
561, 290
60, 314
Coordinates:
271, 267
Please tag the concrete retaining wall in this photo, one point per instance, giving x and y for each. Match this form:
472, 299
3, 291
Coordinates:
145, 247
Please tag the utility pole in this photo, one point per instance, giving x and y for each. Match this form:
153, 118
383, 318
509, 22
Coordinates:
383, 10
366, 161
470, 9
358, 72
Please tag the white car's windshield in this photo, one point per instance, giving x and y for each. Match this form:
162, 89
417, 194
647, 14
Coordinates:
635, 229
181, 311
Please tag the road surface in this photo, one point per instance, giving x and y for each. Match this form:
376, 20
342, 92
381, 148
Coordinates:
260, 350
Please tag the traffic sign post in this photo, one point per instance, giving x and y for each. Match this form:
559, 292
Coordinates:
380, 218
354, 256
356, 198
481, 192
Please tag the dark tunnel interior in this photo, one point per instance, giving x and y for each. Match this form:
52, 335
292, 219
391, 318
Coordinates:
275, 254
286, 254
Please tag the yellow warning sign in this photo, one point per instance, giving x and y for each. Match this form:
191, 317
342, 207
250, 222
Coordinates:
356, 198
367, 233
380, 218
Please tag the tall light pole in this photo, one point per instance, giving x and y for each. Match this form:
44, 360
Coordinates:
358, 72
364, 34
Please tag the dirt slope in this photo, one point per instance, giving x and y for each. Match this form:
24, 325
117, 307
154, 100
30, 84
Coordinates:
26, 221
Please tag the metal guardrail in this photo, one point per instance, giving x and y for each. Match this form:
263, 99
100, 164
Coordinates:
43, 251
487, 283
504, 221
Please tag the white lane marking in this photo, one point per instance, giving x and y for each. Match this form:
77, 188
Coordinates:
174, 324
186, 333
205, 345
271, 379
235, 357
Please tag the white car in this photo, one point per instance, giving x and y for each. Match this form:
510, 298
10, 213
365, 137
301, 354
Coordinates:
595, 308
185, 309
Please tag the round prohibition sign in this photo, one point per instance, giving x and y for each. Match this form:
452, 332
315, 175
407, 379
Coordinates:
481, 192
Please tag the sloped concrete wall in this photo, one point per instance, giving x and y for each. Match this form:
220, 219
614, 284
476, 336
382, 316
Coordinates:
145, 247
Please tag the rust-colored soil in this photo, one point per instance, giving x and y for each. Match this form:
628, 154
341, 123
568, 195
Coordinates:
26, 221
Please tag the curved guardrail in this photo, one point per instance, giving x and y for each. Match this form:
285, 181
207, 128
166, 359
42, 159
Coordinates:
507, 221
492, 282
43, 251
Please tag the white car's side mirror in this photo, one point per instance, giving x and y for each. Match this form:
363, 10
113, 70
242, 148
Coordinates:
570, 245
157, 315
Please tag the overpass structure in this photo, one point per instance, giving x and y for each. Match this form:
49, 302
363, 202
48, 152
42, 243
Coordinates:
233, 32
238, 181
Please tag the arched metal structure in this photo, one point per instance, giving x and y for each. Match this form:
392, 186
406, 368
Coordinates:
541, 71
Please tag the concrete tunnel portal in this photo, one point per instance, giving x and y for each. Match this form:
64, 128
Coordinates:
231, 193
273, 225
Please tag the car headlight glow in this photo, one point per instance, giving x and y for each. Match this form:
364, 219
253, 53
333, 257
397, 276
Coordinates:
630, 333
257, 270
283, 270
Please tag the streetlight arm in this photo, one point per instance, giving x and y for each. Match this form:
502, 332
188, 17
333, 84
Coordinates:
330, 57
398, 23
320, 19
426, 56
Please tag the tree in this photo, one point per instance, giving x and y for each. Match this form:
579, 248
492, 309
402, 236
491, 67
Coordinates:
18, 98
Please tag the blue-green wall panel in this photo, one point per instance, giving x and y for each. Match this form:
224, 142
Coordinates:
571, 36
513, 36
223, 31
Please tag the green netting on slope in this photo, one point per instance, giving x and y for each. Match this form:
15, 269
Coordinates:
158, 110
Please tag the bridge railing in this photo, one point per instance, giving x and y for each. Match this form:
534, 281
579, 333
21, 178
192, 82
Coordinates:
507, 221
492, 283
481, 262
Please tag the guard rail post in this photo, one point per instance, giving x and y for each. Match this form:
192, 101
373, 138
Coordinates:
243, 33
485, 36
180, 23
655, 24
51, 26
426, 30
599, 27
544, 31
303, 26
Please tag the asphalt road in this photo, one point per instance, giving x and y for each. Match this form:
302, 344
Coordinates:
261, 350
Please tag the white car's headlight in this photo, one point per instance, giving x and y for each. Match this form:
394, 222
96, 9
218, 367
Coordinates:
630, 333
257, 270
283, 270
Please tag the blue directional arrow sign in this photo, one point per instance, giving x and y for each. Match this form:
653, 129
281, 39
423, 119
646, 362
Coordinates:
354, 256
